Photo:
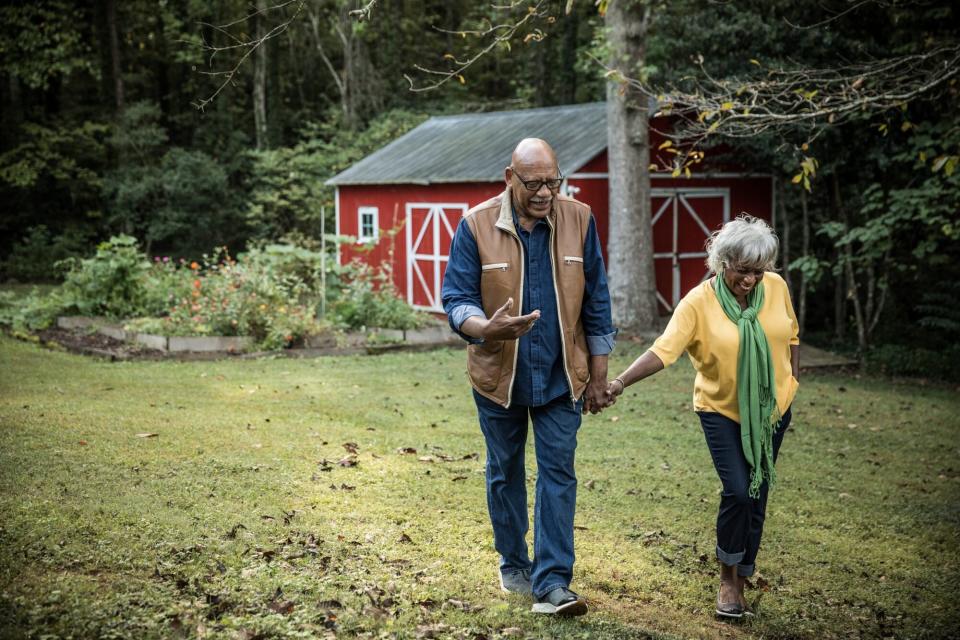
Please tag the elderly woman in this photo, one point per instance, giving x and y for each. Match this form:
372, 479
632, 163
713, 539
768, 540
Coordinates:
741, 333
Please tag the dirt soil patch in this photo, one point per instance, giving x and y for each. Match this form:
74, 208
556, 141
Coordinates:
96, 344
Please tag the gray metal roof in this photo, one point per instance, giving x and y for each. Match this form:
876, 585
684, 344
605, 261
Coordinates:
476, 147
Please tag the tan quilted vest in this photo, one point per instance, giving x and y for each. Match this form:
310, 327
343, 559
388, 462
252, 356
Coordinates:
492, 365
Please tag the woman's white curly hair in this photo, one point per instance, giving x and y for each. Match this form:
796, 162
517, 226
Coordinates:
745, 242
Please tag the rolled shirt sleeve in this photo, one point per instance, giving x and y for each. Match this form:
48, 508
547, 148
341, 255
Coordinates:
678, 334
460, 294
596, 313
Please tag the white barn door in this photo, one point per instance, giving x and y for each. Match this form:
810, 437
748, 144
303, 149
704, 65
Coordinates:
430, 228
682, 221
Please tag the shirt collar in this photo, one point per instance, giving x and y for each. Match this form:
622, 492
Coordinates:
516, 221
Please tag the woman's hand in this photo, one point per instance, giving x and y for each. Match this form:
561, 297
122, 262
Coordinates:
614, 389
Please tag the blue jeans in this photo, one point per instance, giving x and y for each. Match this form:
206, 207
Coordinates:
740, 519
555, 427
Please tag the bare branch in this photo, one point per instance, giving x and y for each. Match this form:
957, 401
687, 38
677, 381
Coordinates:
364, 12
501, 33
247, 47
798, 98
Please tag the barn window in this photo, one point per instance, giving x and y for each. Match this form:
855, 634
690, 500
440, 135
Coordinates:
368, 228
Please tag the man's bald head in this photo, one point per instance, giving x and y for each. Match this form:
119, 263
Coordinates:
532, 152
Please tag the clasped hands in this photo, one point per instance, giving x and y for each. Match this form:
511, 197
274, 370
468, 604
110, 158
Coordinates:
599, 394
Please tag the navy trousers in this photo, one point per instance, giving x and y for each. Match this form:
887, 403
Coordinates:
555, 427
740, 519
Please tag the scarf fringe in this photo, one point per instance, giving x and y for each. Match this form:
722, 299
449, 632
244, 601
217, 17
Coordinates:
766, 471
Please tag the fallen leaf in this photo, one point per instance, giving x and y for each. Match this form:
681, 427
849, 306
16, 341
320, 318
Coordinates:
404, 538
329, 604
458, 478
230, 535
589, 484
614, 418
147, 435
432, 630
421, 458
465, 606
351, 447
284, 608
406, 450
83, 443
349, 461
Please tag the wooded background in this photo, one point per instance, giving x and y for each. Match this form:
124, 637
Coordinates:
191, 124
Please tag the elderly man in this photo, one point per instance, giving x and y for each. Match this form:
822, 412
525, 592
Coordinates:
526, 287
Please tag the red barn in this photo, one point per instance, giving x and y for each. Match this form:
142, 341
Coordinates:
403, 202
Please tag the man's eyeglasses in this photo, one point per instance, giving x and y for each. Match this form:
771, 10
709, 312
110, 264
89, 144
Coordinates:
534, 185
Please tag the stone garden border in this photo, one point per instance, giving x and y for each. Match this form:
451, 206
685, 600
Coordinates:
374, 340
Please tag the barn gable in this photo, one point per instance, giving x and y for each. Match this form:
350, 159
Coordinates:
476, 147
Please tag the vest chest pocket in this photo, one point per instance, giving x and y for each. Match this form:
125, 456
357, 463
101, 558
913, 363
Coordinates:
497, 283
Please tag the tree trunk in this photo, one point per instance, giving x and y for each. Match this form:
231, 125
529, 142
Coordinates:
115, 65
805, 249
260, 78
568, 86
630, 242
853, 290
839, 300
785, 234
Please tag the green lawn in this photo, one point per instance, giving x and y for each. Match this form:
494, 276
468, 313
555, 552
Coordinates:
235, 520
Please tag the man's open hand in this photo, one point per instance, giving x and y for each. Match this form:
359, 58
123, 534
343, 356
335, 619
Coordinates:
502, 326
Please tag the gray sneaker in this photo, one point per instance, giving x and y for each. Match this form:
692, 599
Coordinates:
516, 581
561, 602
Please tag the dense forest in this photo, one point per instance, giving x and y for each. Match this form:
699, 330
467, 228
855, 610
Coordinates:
190, 125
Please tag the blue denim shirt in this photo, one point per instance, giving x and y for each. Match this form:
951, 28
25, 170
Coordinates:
540, 374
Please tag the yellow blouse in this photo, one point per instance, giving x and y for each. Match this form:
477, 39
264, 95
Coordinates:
701, 328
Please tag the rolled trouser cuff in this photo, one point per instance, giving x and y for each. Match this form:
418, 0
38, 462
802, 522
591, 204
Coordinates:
746, 570
729, 558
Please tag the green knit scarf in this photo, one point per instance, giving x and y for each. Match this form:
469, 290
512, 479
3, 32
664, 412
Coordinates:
756, 390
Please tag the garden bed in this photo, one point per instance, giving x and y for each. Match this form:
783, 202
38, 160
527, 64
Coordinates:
105, 338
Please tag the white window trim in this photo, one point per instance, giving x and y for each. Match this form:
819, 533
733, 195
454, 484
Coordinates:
361, 239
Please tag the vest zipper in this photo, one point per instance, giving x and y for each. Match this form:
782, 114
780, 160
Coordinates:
556, 292
516, 350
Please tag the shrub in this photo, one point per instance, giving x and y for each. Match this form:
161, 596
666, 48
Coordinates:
34, 257
33, 312
229, 298
111, 283
370, 299
894, 359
